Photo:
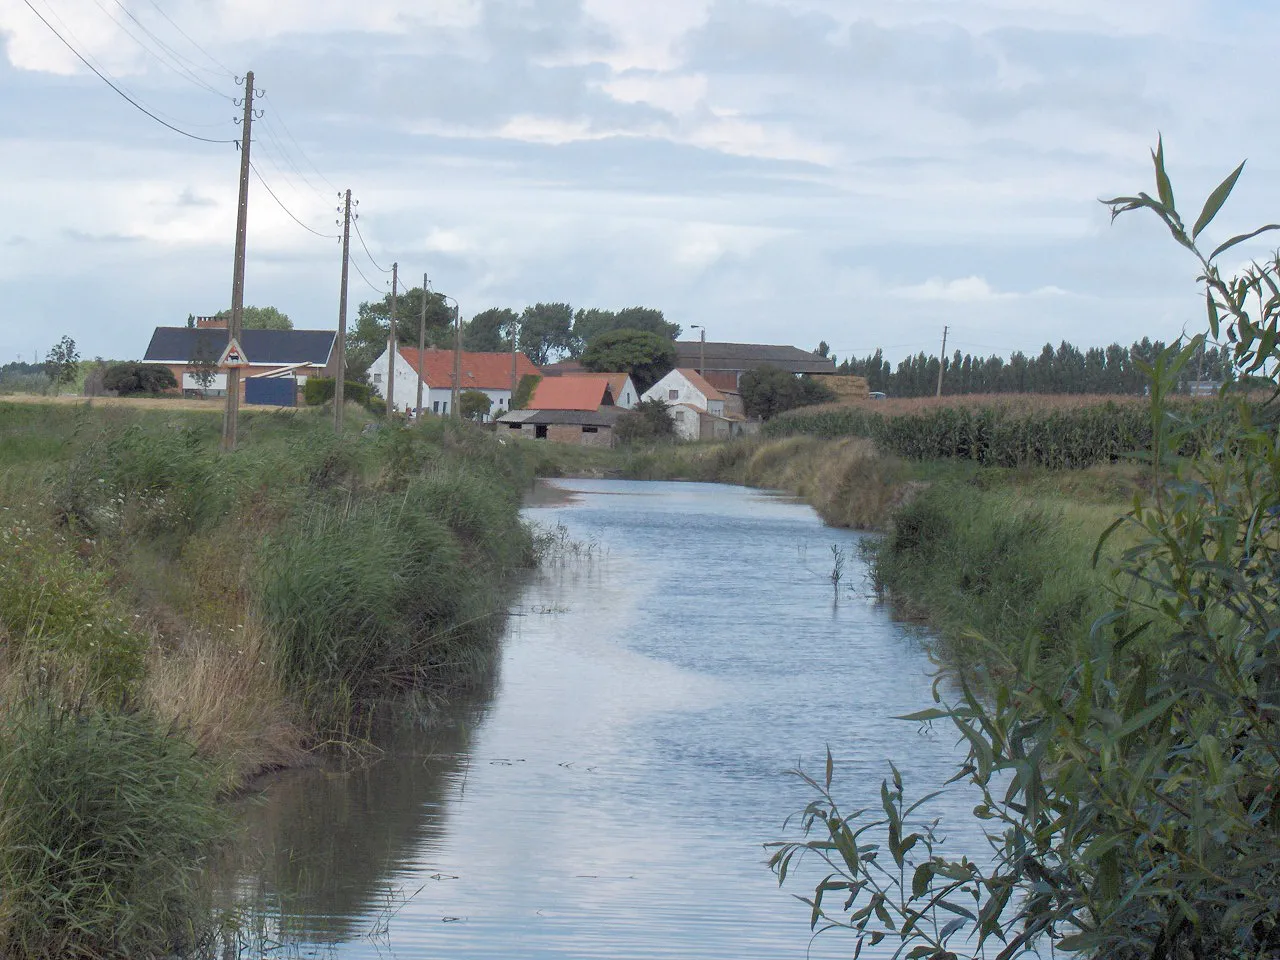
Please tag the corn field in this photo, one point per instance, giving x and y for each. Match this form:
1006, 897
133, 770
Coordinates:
1058, 433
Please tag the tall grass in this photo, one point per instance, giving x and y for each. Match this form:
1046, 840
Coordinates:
994, 564
105, 818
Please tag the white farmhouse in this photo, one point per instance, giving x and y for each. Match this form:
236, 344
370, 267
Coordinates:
490, 373
698, 407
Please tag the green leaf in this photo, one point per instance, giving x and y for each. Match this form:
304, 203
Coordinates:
1164, 187
1242, 238
1215, 201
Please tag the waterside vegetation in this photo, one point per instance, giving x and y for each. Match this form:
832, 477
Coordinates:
174, 620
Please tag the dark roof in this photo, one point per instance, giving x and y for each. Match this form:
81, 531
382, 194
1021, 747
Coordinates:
183, 344
748, 356
604, 417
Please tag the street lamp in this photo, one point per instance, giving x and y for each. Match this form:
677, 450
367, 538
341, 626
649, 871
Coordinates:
702, 347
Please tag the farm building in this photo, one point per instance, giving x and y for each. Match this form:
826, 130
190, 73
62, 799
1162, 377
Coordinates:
723, 364
699, 409
489, 373
279, 361
573, 409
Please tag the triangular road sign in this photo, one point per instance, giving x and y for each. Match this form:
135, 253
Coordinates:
233, 357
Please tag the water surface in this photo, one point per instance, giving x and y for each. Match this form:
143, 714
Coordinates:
610, 794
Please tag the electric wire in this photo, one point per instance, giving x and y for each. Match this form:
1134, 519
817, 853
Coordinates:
212, 59
287, 156
323, 236
363, 277
178, 65
109, 82
285, 127
356, 224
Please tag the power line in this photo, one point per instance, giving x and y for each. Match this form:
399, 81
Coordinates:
287, 156
225, 69
105, 79
178, 65
366, 279
324, 236
285, 127
356, 223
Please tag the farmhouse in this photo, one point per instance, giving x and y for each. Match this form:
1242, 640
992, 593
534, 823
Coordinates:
490, 373
279, 361
574, 409
723, 364
697, 407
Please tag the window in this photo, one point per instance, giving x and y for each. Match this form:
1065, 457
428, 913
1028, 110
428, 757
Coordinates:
377, 378
590, 429
435, 407
673, 394
444, 407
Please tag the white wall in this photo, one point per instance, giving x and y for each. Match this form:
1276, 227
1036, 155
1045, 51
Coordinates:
435, 399
675, 388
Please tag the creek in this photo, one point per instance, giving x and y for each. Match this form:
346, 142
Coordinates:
608, 795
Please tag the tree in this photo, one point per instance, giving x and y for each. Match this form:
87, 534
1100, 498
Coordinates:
474, 404
647, 357
490, 330
129, 378
367, 339
203, 364
546, 331
648, 420
590, 324
63, 362
256, 318
768, 391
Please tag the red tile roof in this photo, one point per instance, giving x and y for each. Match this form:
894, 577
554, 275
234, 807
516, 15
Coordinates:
700, 383
617, 381
480, 371
572, 393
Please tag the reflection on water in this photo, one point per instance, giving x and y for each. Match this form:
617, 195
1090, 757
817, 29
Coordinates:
609, 796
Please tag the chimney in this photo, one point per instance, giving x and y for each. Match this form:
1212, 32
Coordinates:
211, 323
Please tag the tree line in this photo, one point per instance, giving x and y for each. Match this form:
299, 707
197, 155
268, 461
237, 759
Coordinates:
1068, 369
545, 331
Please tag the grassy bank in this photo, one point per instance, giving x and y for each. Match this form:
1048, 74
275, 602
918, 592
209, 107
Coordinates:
178, 620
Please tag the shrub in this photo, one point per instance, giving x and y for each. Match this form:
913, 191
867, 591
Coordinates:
105, 822
131, 378
524, 391
475, 404
768, 391
320, 390
648, 420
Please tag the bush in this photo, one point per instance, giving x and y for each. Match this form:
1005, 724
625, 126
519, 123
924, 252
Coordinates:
768, 391
524, 391
475, 404
130, 378
107, 820
320, 390
649, 420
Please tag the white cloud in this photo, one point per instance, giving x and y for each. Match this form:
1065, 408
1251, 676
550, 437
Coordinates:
969, 290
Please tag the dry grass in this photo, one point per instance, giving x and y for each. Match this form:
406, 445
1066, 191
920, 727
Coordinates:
848, 481
224, 690
161, 403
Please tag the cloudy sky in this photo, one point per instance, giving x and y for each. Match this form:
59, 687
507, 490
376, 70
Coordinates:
780, 171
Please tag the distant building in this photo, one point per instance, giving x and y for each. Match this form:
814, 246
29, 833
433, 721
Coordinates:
490, 373
578, 409
698, 408
278, 361
723, 364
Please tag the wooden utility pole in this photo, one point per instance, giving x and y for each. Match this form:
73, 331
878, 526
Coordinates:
942, 360
231, 418
422, 345
457, 360
392, 343
340, 383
